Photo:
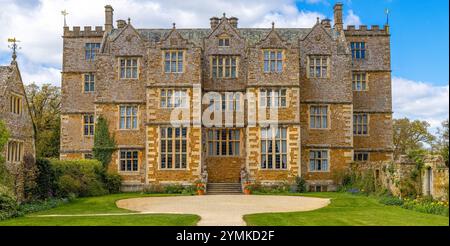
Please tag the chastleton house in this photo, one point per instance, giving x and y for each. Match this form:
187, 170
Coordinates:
15, 112
331, 87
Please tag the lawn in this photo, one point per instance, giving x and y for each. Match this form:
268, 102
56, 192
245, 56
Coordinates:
101, 205
348, 210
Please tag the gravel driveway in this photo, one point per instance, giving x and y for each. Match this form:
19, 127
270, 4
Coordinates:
222, 210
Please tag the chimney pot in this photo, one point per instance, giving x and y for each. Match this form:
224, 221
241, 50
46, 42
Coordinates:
214, 22
233, 21
326, 23
121, 24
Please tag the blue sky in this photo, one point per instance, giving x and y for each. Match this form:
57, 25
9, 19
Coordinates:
420, 33
419, 41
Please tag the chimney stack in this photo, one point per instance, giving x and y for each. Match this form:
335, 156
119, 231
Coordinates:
326, 23
214, 22
108, 18
233, 21
338, 21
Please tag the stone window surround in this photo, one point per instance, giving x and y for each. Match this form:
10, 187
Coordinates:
328, 117
83, 79
19, 145
83, 124
212, 57
361, 124
91, 49
183, 61
227, 141
137, 117
172, 98
273, 139
138, 64
328, 66
358, 47
88, 156
223, 41
283, 60
119, 159
272, 98
364, 78
225, 101
328, 161
173, 152
16, 103
360, 156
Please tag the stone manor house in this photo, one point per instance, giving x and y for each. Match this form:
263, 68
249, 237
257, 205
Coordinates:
330, 85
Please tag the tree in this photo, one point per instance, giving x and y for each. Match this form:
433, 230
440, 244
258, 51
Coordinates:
45, 107
104, 143
442, 142
410, 135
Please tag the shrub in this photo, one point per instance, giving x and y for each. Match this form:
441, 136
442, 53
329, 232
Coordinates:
300, 184
113, 182
8, 207
45, 180
79, 177
425, 205
41, 205
153, 189
390, 201
170, 189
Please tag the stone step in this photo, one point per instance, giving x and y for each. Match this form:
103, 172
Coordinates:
223, 188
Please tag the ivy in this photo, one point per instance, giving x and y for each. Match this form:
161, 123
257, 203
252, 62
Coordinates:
104, 142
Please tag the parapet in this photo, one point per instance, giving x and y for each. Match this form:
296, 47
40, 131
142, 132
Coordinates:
87, 31
364, 30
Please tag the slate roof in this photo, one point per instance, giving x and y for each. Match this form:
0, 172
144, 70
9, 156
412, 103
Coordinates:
252, 35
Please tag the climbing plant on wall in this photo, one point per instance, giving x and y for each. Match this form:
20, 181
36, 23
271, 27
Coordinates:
104, 142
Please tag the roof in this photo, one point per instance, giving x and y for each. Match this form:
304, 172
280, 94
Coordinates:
5, 72
252, 35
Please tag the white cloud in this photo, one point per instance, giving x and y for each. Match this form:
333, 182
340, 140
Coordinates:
352, 19
420, 100
38, 24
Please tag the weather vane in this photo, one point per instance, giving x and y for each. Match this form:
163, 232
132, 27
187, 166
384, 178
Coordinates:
64, 13
387, 11
14, 47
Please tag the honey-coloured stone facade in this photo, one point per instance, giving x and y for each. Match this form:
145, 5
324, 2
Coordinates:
198, 49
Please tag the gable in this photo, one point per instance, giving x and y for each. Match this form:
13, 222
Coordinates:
273, 40
319, 41
174, 40
128, 43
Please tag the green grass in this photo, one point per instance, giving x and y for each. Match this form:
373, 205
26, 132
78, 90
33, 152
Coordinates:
101, 205
348, 210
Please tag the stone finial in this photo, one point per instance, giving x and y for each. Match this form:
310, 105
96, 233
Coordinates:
318, 20
174, 25
224, 15
273, 25
129, 20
